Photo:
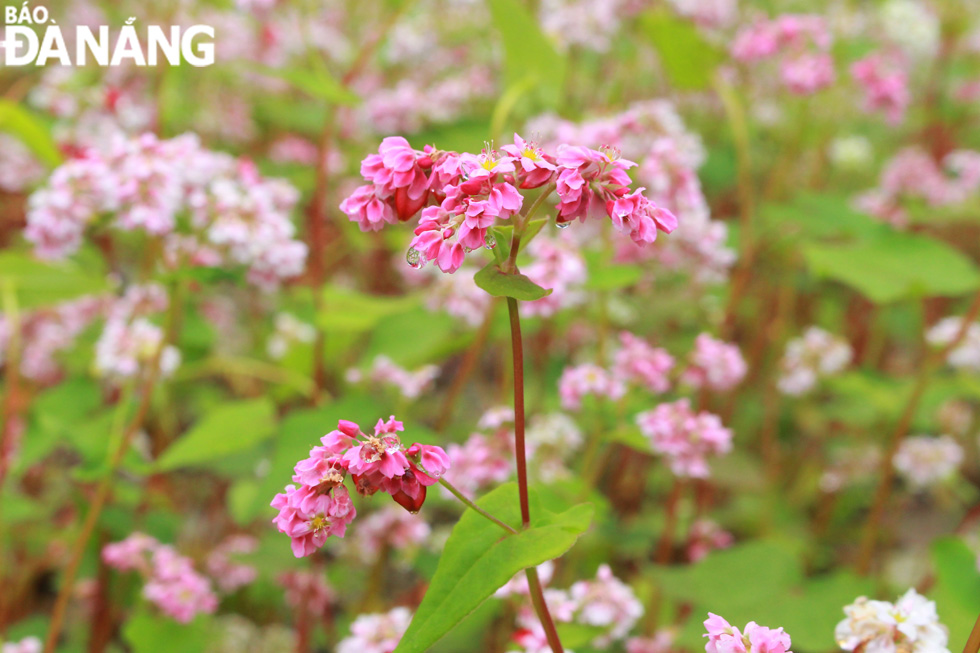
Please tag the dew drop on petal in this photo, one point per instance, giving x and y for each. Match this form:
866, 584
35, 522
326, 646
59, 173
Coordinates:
490, 241
563, 225
415, 258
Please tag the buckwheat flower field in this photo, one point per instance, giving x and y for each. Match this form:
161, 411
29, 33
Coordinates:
490, 326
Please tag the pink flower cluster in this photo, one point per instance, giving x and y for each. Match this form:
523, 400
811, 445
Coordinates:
685, 437
639, 363
652, 133
376, 633
171, 582
47, 332
801, 41
26, 645
725, 638
388, 528
706, 536
147, 184
714, 364
461, 196
383, 370
130, 341
885, 82
556, 264
228, 573
605, 603
307, 590
815, 355
321, 505
913, 174
588, 379
484, 460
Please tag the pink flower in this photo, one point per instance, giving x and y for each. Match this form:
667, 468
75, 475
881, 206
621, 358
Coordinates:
582, 174
725, 638
638, 362
706, 536
807, 73
885, 83
376, 633
714, 364
533, 168
639, 218
367, 209
577, 382
321, 506
226, 572
685, 437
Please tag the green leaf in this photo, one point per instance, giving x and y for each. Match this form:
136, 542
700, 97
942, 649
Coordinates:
612, 277
479, 558
957, 589
518, 286
687, 59
528, 53
38, 285
150, 633
317, 83
895, 266
18, 121
350, 311
227, 429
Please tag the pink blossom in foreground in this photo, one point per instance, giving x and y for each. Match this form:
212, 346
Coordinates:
376, 633
910, 624
925, 461
461, 196
636, 361
714, 364
172, 584
885, 83
685, 437
725, 638
588, 379
320, 506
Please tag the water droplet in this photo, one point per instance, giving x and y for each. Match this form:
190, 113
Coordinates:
489, 240
468, 249
563, 225
415, 258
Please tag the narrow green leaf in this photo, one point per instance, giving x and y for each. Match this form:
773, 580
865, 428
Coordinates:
479, 558
317, 83
687, 59
18, 121
517, 286
39, 284
227, 429
528, 53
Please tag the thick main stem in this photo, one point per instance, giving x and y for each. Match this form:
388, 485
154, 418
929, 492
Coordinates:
533, 582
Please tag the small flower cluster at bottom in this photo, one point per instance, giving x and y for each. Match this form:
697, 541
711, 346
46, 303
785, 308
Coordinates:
321, 505
725, 638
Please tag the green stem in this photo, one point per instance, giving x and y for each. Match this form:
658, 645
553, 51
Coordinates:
469, 504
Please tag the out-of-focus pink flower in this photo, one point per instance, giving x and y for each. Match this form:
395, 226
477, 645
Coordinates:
227, 573
391, 528
714, 364
376, 633
481, 462
410, 384
802, 41
706, 536
638, 362
26, 645
815, 355
172, 584
885, 83
588, 379
307, 590
608, 603
807, 73
685, 437
557, 264
925, 461
661, 642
